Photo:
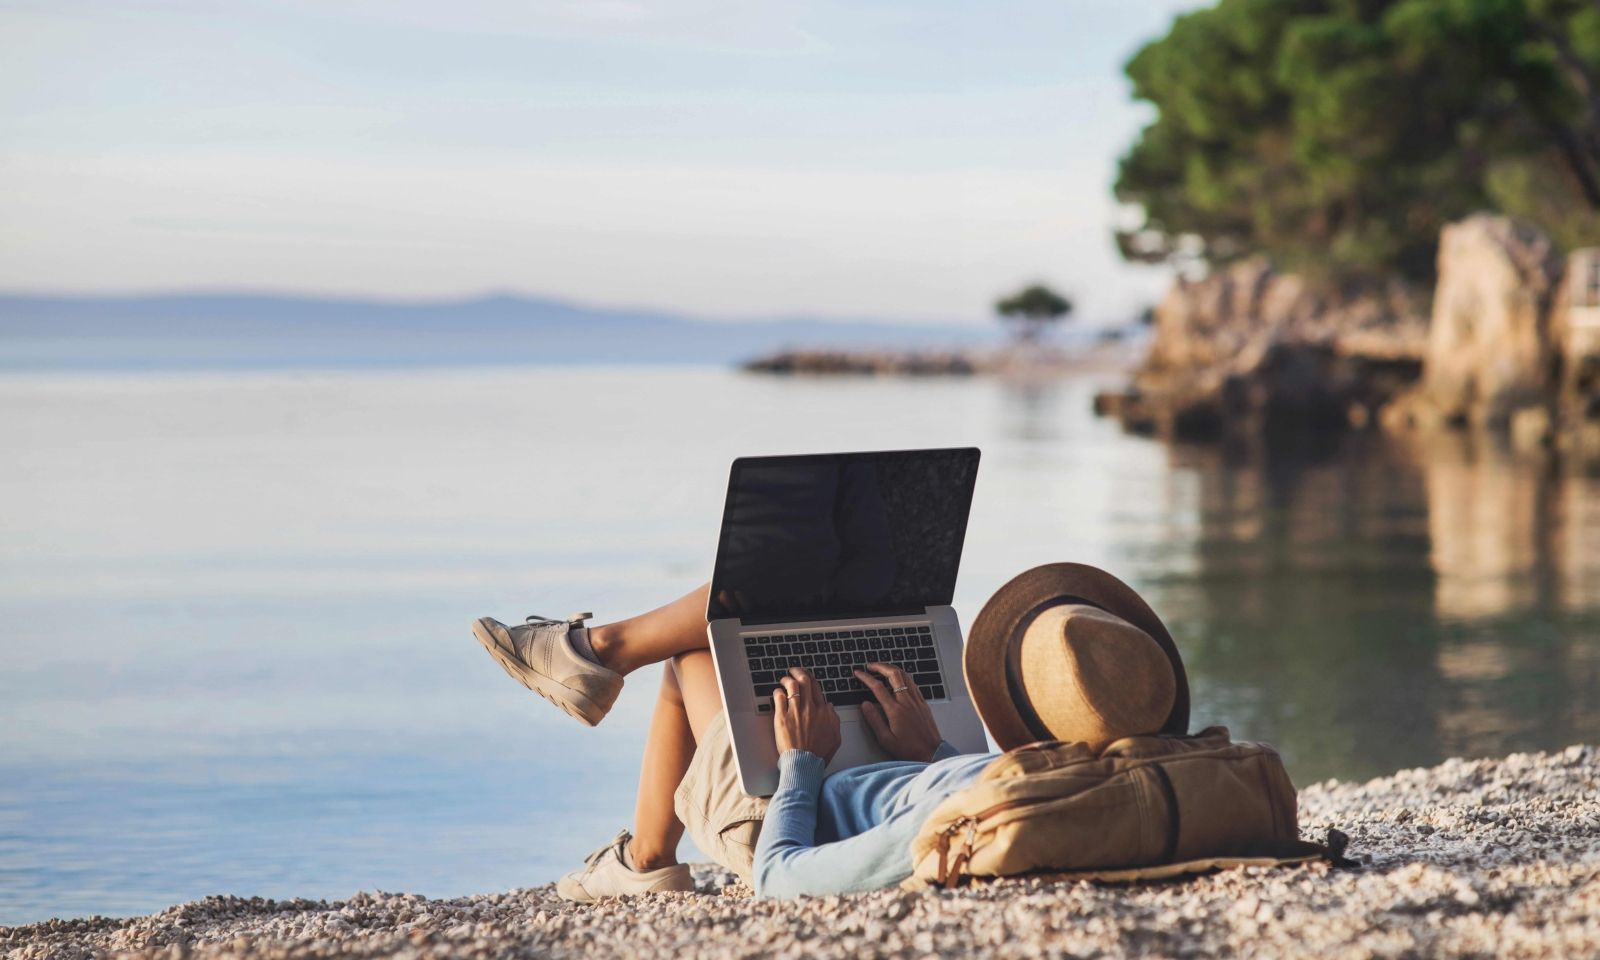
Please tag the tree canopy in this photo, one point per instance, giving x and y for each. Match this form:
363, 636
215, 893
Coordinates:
1033, 308
1339, 136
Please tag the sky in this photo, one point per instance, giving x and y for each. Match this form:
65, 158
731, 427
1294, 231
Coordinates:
892, 160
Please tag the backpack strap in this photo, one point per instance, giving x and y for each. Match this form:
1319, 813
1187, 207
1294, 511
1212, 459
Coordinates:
952, 873
1332, 849
1175, 818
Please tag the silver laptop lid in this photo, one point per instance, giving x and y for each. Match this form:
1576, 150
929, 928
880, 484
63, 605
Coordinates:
842, 535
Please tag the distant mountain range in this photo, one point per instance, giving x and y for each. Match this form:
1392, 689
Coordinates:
230, 331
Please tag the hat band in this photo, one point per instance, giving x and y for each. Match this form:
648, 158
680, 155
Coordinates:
1019, 693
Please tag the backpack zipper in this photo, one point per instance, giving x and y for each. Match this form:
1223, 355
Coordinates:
949, 875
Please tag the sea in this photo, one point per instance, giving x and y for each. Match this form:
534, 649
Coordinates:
234, 606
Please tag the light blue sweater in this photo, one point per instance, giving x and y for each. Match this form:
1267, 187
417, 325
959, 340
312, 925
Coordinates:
851, 831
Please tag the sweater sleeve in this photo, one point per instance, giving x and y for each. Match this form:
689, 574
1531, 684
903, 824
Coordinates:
788, 863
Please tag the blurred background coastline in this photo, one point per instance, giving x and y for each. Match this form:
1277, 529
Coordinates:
1316, 365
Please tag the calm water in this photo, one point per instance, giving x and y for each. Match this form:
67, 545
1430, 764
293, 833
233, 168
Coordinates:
235, 607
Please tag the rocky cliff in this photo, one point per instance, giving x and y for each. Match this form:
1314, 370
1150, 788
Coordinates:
1490, 344
1248, 351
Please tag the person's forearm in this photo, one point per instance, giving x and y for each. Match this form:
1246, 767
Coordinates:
788, 861
790, 825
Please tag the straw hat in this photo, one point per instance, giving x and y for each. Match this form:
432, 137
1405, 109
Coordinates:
1068, 652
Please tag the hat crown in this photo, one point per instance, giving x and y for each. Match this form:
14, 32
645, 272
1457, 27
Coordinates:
1089, 675
1085, 672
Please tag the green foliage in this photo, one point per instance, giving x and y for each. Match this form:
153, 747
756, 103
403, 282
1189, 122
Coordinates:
1033, 308
1338, 136
1532, 189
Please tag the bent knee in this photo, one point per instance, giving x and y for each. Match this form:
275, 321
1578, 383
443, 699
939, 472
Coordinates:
692, 670
691, 660
697, 682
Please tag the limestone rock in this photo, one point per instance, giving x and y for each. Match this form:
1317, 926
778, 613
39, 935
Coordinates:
1512, 342
1248, 350
1489, 346
1575, 328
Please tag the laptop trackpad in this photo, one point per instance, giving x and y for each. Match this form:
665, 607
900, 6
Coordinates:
857, 746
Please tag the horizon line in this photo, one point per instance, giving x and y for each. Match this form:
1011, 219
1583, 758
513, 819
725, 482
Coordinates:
456, 300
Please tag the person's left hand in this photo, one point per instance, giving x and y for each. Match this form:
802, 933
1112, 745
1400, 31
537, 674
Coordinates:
901, 720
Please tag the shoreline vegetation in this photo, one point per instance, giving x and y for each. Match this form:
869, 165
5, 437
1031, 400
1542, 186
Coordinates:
1493, 857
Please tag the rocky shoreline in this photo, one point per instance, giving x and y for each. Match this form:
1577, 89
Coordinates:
1507, 342
1109, 355
1470, 858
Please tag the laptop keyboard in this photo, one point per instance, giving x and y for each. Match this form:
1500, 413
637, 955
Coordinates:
833, 655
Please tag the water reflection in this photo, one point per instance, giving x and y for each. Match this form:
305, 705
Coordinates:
1509, 531
1032, 408
1375, 604
1516, 548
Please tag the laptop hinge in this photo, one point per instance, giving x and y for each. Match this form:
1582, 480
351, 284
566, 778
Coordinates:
857, 615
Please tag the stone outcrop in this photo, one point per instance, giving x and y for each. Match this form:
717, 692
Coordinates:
1512, 343
1490, 343
1515, 344
1248, 350
1576, 331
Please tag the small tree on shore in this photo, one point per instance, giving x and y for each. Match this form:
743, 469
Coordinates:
1032, 309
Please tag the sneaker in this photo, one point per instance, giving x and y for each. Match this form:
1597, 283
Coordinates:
539, 655
606, 873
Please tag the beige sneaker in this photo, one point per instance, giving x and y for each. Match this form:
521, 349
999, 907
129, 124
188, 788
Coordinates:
606, 874
539, 655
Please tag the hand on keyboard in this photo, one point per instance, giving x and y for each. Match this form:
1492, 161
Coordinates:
803, 719
897, 715
833, 656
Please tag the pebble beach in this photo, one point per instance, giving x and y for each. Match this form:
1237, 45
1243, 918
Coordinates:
1470, 858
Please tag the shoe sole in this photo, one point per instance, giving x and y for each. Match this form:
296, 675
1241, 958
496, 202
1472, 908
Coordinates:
574, 892
576, 703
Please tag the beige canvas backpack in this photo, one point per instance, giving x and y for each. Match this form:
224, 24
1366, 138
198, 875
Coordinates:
1139, 808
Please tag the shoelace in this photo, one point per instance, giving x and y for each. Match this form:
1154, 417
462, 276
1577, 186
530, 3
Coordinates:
622, 837
538, 620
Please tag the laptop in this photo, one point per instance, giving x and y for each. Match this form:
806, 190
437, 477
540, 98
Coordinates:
831, 561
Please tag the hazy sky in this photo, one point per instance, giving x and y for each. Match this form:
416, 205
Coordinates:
889, 159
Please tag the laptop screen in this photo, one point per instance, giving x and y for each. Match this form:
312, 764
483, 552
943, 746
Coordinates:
834, 536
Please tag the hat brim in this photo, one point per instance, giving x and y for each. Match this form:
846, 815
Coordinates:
984, 661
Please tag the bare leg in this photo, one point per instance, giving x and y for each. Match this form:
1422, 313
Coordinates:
652, 637
702, 697
688, 702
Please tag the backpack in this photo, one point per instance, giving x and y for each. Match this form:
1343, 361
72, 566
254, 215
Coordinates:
1138, 808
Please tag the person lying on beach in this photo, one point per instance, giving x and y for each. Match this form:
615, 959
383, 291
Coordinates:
1070, 667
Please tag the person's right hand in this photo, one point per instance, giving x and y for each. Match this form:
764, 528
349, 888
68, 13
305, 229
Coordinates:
802, 718
901, 720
